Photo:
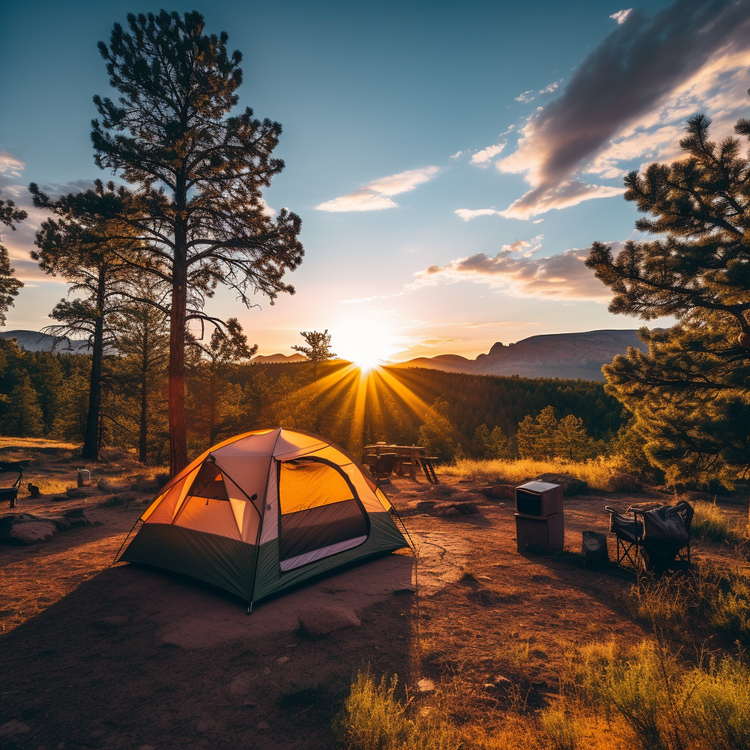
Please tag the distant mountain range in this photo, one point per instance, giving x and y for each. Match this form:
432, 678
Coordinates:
275, 359
34, 341
554, 355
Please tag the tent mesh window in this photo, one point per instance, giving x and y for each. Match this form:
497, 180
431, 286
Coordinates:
209, 483
318, 509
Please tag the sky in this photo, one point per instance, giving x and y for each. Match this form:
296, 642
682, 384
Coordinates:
451, 162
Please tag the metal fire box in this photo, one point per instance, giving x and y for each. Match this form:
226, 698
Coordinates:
540, 534
539, 499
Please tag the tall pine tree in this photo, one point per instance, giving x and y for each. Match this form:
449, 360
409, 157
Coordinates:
10, 215
690, 394
197, 175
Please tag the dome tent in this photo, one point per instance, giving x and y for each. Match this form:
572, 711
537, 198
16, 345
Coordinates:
264, 511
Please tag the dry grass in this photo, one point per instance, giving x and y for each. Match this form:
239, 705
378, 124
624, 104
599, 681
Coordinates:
710, 522
27, 442
596, 472
666, 704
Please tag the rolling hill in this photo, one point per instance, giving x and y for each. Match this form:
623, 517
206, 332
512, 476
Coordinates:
35, 341
554, 355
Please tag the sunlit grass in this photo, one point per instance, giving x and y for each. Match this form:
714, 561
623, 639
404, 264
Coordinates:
596, 472
27, 442
373, 718
710, 522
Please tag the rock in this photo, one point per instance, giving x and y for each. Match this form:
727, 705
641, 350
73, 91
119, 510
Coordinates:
32, 532
459, 509
282, 660
263, 725
401, 592
594, 548
266, 670
61, 523
13, 727
570, 485
240, 685
323, 620
426, 505
623, 483
425, 685
500, 491
25, 528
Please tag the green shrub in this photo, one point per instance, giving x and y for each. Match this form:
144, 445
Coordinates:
372, 718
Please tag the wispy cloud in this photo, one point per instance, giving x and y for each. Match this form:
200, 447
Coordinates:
561, 277
485, 156
621, 15
467, 214
376, 195
530, 95
10, 165
643, 76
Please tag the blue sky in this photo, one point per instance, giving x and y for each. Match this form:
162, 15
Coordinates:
450, 162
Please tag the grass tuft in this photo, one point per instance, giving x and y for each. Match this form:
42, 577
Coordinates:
710, 522
562, 728
373, 718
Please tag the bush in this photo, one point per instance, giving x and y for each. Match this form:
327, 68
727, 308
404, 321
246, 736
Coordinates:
705, 602
372, 718
668, 706
709, 522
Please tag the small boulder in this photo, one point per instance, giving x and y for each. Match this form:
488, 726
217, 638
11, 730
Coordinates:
459, 509
426, 505
31, 532
13, 727
425, 685
324, 620
500, 491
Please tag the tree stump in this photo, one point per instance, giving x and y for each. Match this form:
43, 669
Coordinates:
594, 548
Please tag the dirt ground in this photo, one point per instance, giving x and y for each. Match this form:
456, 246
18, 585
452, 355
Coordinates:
129, 657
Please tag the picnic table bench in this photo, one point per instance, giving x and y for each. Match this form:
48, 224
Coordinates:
411, 457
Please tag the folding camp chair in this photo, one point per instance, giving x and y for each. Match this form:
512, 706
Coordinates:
11, 493
654, 538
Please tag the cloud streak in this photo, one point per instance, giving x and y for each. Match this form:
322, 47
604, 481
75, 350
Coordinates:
376, 195
639, 66
559, 277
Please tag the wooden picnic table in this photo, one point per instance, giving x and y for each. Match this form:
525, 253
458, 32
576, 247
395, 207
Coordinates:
414, 453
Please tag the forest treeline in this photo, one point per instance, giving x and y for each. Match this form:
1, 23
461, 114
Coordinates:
45, 394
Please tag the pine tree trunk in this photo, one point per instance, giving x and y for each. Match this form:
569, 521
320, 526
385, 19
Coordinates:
91, 434
177, 424
142, 456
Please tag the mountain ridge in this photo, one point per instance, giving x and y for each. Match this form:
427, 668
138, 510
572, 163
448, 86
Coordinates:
551, 355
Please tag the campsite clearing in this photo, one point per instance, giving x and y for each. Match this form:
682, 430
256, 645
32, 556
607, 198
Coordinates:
128, 656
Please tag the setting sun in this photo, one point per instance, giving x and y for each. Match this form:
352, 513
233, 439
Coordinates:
365, 341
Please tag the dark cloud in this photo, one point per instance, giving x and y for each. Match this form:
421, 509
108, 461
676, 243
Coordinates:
626, 76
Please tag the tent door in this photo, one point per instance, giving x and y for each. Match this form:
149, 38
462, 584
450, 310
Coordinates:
320, 513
